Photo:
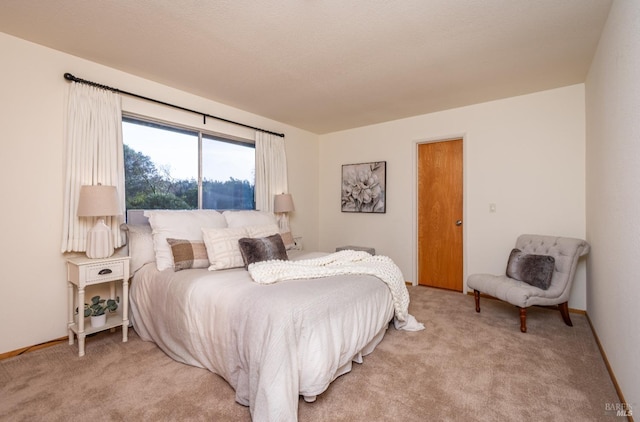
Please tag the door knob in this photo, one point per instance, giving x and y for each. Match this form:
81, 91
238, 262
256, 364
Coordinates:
459, 223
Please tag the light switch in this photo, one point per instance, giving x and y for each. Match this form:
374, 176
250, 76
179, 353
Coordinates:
492, 207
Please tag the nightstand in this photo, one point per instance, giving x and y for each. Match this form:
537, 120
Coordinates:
297, 243
83, 272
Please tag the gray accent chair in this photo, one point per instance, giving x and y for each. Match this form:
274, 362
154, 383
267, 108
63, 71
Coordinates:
566, 252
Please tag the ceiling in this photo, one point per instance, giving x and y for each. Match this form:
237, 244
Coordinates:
327, 65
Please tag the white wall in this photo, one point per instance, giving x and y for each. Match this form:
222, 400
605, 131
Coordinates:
525, 154
613, 195
32, 112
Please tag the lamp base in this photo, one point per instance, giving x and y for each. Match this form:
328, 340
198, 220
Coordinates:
99, 241
283, 222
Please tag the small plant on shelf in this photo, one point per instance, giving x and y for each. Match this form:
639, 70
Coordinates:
99, 306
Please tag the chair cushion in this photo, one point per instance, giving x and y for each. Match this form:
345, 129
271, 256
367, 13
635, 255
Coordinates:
536, 270
516, 292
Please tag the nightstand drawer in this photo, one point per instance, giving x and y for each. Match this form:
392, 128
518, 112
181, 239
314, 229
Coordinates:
105, 272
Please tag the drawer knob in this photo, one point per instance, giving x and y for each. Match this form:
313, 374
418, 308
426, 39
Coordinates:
105, 271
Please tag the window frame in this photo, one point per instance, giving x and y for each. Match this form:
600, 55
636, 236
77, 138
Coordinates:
201, 135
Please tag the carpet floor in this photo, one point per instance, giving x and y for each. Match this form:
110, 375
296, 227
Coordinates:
465, 366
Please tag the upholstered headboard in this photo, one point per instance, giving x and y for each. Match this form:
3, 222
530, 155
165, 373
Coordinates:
137, 217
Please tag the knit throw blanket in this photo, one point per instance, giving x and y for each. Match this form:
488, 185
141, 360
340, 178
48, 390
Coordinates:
341, 263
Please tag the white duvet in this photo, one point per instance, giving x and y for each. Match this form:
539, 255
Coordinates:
272, 343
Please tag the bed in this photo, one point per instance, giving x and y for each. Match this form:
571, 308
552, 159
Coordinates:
272, 341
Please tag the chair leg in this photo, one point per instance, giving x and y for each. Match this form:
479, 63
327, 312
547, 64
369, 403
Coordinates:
564, 311
523, 320
476, 294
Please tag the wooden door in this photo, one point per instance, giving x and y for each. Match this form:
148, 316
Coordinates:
440, 214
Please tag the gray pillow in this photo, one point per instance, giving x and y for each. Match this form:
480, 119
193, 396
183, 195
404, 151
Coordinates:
262, 249
536, 270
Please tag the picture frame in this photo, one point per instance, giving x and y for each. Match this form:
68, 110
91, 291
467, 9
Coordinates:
364, 187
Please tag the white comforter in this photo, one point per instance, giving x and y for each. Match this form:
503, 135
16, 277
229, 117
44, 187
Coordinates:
272, 343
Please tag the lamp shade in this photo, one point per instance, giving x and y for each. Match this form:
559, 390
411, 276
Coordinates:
98, 201
283, 203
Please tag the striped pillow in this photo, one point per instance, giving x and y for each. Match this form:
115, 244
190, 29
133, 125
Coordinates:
188, 254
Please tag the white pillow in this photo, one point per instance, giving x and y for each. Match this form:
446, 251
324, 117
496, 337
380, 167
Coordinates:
262, 230
249, 218
140, 243
179, 224
223, 248
266, 230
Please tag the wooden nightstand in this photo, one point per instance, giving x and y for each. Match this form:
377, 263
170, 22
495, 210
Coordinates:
82, 272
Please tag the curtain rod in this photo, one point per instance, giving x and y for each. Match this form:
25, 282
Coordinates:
71, 78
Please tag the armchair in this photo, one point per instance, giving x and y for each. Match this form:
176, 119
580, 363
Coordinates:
565, 252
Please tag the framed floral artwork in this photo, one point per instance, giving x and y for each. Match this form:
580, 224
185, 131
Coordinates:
364, 187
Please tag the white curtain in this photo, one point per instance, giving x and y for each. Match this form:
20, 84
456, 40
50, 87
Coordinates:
94, 155
271, 169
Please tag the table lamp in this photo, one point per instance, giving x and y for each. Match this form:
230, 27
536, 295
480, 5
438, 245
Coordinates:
283, 205
98, 201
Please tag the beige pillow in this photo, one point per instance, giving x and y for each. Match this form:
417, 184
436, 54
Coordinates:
223, 249
188, 254
287, 239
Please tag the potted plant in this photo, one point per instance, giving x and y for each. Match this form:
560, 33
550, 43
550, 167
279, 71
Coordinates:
98, 309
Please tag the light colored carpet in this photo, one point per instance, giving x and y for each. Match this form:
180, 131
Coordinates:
464, 367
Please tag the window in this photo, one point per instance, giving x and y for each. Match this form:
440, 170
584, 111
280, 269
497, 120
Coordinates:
169, 167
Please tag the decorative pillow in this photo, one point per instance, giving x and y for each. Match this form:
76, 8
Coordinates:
179, 224
249, 218
188, 254
222, 247
287, 239
536, 270
262, 249
140, 243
